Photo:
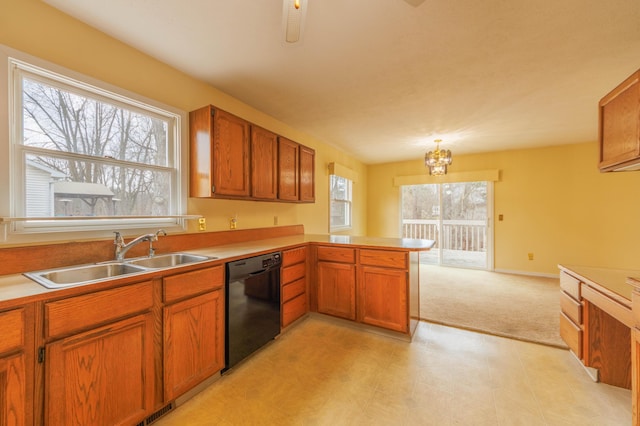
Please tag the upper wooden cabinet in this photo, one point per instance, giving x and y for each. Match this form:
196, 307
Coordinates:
620, 127
307, 174
232, 158
264, 164
288, 169
219, 144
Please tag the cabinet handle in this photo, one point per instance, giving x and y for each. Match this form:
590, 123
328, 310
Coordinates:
40, 354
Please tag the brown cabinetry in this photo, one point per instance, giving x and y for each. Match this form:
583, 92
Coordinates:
382, 289
620, 126
99, 365
288, 170
219, 154
294, 285
232, 158
336, 283
264, 164
366, 285
16, 389
193, 329
296, 171
307, 174
571, 323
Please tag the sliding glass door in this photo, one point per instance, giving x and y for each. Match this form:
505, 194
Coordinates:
456, 216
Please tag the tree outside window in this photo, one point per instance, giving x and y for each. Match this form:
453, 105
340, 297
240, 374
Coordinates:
85, 152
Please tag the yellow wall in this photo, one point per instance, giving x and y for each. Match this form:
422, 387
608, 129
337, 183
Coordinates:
34, 28
555, 204
554, 201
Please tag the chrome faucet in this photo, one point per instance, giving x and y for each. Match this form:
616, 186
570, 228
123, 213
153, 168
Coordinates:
122, 248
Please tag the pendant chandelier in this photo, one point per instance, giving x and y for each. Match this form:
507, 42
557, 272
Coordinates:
438, 160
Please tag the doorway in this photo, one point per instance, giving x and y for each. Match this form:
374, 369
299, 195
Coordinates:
457, 216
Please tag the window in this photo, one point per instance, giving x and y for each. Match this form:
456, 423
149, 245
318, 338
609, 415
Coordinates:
339, 203
80, 151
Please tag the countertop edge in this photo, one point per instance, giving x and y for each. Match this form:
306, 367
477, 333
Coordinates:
16, 289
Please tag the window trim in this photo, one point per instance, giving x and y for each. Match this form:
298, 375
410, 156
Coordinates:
15, 231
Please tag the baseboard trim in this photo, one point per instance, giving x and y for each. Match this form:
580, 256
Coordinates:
533, 274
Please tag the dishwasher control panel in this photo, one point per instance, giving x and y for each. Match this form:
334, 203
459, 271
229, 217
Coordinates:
271, 260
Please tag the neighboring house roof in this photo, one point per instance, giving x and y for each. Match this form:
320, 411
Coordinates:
81, 190
54, 173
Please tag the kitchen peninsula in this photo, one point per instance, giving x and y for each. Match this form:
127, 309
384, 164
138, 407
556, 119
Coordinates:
171, 320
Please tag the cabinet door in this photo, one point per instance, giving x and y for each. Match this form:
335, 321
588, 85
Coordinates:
101, 377
193, 342
307, 174
288, 170
620, 125
13, 390
264, 164
230, 155
337, 289
382, 298
219, 154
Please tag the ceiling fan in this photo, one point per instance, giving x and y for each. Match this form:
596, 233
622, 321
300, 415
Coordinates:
294, 13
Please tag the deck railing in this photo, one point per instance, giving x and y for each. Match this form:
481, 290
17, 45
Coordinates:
467, 235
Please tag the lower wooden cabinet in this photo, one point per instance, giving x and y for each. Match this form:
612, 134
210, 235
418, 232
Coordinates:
370, 286
15, 398
193, 342
102, 376
571, 315
382, 298
635, 373
293, 292
99, 357
337, 289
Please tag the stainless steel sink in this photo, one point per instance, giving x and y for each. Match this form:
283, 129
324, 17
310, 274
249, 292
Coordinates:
167, 260
85, 274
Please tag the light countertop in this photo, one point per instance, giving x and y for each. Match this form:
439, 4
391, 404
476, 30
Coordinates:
17, 286
613, 281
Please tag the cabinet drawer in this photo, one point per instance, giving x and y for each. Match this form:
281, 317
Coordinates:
294, 309
293, 256
571, 334
337, 254
292, 273
391, 259
293, 289
571, 308
191, 283
82, 312
571, 285
12, 330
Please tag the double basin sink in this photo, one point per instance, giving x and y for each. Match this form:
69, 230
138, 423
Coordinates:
87, 274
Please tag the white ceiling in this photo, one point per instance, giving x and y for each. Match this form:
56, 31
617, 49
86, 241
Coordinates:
382, 79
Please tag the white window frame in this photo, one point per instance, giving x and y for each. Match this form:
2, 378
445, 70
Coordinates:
16, 230
348, 203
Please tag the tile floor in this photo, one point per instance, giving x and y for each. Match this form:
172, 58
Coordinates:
323, 373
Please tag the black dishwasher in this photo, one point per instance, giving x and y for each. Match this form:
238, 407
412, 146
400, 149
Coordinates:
252, 305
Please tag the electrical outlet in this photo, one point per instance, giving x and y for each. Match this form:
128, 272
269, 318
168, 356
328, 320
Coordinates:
202, 224
530, 256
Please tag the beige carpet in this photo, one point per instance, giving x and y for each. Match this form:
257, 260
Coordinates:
516, 306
